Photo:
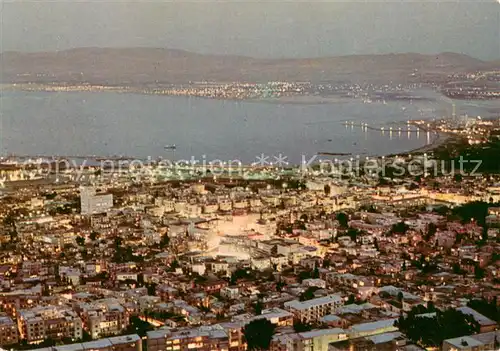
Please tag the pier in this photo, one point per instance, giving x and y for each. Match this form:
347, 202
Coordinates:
417, 128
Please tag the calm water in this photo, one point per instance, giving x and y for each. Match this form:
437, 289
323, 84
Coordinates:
141, 125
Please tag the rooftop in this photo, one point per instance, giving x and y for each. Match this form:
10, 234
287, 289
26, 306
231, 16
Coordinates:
483, 320
303, 305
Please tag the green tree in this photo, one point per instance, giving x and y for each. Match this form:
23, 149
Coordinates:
258, 307
138, 326
308, 294
258, 334
343, 219
484, 235
400, 296
80, 240
478, 272
431, 231
476, 210
93, 235
280, 285
456, 268
165, 241
300, 327
399, 228
430, 331
353, 233
488, 309
315, 273
351, 299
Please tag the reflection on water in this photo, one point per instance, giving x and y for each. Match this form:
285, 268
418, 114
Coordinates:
83, 123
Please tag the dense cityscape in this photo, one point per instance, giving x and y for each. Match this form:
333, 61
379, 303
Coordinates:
250, 175
480, 86
280, 258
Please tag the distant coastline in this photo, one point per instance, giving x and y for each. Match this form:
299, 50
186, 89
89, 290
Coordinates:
297, 99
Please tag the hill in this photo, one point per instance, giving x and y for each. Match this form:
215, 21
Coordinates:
146, 66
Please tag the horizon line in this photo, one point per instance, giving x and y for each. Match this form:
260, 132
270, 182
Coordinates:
242, 56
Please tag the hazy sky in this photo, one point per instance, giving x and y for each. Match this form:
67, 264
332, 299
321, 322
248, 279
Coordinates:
257, 28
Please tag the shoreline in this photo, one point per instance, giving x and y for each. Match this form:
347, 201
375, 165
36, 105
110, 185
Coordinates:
290, 98
282, 100
441, 140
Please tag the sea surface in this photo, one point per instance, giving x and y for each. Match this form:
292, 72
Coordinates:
135, 125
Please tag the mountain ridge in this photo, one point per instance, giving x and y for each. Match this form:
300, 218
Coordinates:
139, 66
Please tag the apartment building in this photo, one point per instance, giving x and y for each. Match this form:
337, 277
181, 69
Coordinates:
313, 310
277, 316
54, 322
131, 342
103, 317
479, 342
8, 331
314, 340
94, 203
205, 338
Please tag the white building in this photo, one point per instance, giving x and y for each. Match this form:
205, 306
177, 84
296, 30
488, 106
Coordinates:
93, 203
313, 310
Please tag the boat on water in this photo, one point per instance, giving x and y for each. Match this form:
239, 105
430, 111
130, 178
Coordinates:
170, 147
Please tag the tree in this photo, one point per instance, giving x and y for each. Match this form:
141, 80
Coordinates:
258, 307
174, 265
430, 331
80, 240
477, 210
327, 189
93, 235
274, 250
484, 235
478, 272
308, 294
488, 309
258, 334
456, 268
353, 233
241, 273
280, 285
399, 228
165, 241
351, 299
315, 273
343, 219
151, 288
300, 327
400, 296
138, 326
431, 231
